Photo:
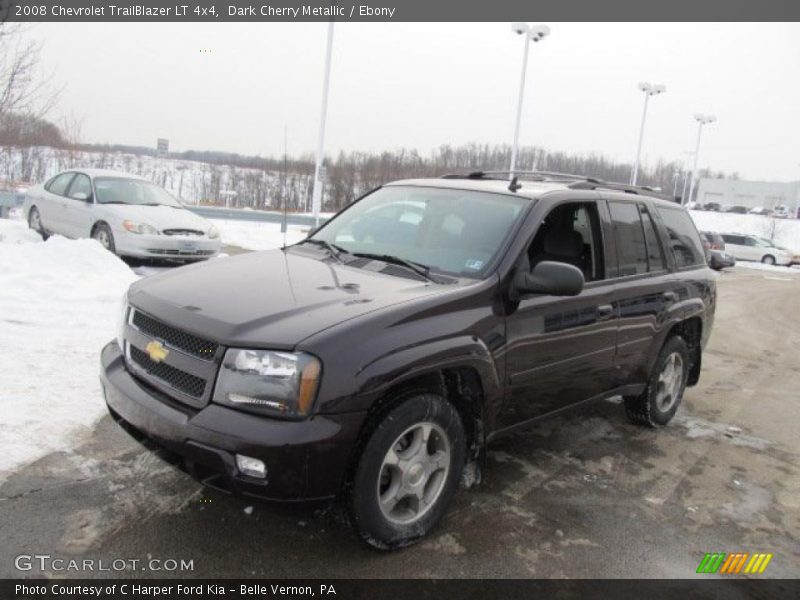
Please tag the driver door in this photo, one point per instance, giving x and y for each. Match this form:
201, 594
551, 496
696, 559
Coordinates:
78, 206
561, 349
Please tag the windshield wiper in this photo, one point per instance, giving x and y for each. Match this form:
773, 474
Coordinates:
334, 250
418, 268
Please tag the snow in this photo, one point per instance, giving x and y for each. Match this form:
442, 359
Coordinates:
59, 302
783, 232
255, 235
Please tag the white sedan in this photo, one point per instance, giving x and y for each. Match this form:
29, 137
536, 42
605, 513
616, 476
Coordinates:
751, 247
128, 215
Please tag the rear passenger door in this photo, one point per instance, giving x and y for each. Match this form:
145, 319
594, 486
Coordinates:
734, 244
642, 286
53, 205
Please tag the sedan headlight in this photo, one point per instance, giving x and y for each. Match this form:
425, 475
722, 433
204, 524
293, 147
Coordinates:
135, 227
274, 383
213, 233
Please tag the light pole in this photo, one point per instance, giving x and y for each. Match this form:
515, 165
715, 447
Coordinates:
649, 90
701, 120
533, 33
316, 195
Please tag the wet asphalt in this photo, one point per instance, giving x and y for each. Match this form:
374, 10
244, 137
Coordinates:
583, 494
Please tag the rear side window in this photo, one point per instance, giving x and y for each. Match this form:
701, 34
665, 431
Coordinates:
655, 256
629, 234
684, 241
58, 185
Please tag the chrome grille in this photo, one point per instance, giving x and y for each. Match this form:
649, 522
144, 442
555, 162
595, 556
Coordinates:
182, 232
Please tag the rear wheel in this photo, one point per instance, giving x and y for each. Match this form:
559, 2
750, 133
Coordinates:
407, 473
102, 233
35, 223
768, 260
656, 406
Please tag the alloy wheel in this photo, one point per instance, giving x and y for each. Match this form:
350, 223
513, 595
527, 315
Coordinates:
670, 381
413, 473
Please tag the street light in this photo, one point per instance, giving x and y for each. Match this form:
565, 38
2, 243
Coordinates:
701, 120
533, 33
316, 194
649, 90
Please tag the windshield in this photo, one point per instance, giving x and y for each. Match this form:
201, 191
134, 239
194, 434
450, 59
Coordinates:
119, 190
452, 231
764, 243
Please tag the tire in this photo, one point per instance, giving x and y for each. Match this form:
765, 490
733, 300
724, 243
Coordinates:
656, 406
768, 260
35, 223
416, 480
102, 233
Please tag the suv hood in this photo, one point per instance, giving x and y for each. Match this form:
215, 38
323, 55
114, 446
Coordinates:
161, 217
270, 299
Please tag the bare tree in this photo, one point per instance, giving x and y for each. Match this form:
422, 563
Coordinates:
23, 92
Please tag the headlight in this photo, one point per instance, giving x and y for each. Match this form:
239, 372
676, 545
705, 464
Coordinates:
134, 227
281, 384
122, 319
213, 233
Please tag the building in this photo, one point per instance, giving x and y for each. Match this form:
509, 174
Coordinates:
752, 194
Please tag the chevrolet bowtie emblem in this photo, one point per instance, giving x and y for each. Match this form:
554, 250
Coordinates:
156, 351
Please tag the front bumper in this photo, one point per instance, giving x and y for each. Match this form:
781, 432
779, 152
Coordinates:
306, 460
165, 246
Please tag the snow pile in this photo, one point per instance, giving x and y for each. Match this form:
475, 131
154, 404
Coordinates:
14, 232
782, 232
257, 235
59, 302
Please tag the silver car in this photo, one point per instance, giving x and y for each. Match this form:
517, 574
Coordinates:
128, 215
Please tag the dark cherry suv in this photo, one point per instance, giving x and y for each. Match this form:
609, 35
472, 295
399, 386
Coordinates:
374, 361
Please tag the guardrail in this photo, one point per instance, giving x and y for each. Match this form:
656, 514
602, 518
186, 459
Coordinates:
9, 200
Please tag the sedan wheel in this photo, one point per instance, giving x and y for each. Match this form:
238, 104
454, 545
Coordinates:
768, 260
103, 235
35, 222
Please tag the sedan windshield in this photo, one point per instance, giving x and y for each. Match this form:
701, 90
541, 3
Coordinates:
457, 232
119, 190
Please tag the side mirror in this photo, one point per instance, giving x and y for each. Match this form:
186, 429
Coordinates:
83, 196
550, 277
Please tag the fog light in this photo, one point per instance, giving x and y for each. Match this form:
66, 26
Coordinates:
252, 467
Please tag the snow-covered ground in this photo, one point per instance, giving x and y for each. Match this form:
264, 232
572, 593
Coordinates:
257, 235
58, 306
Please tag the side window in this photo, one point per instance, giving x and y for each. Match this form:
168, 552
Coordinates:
655, 256
629, 235
684, 240
80, 188
571, 234
750, 242
58, 185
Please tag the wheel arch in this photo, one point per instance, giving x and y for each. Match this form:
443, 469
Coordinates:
691, 330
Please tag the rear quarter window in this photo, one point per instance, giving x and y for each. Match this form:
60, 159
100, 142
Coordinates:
684, 240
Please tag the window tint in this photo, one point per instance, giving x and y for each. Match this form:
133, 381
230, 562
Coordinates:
80, 185
58, 185
655, 256
683, 238
629, 234
571, 234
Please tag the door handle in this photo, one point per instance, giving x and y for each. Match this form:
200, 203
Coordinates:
670, 297
605, 312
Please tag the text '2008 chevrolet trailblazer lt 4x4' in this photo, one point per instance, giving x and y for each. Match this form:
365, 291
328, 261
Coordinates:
374, 361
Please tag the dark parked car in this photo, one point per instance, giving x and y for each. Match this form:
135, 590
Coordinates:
374, 367
716, 256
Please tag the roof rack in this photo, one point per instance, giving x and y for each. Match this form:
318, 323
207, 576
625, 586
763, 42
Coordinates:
577, 182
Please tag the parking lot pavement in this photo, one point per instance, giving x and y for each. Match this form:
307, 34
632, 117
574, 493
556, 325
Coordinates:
584, 494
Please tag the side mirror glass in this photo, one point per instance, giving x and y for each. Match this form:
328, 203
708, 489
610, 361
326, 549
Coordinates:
550, 277
83, 196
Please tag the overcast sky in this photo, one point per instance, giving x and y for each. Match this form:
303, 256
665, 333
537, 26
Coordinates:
421, 85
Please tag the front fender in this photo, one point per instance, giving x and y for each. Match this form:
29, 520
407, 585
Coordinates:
408, 363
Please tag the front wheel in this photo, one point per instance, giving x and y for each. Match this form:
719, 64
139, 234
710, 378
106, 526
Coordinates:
656, 406
407, 473
768, 260
35, 223
102, 233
